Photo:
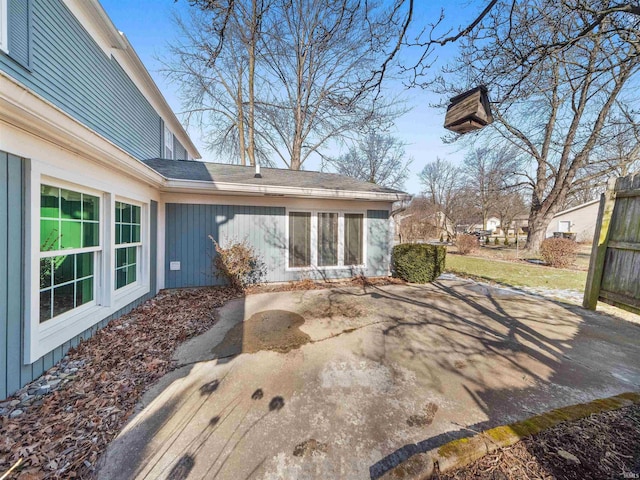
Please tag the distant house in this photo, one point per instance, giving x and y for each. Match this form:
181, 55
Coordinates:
580, 220
102, 204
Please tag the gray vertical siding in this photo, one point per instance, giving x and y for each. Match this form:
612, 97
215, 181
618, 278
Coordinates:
378, 243
187, 227
13, 373
70, 70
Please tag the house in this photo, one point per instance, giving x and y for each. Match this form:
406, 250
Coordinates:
580, 220
102, 203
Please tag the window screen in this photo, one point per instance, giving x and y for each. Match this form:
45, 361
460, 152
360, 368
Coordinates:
299, 239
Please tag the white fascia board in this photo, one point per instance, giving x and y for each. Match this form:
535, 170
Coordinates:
26, 110
577, 207
224, 188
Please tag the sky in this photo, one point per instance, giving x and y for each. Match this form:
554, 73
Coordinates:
150, 28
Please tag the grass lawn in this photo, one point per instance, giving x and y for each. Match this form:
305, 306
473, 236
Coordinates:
516, 274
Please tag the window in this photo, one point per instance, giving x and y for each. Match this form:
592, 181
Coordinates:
299, 239
168, 143
564, 226
326, 239
128, 244
353, 238
3, 27
69, 242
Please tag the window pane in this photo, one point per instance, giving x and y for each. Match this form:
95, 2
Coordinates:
45, 273
135, 233
121, 278
299, 239
126, 213
119, 207
63, 299
49, 235
132, 255
131, 274
84, 291
71, 235
121, 257
49, 202
45, 305
84, 265
70, 204
118, 239
353, 245
90, 207
126, 234
63, 269
91, 234
135, 214
327, 239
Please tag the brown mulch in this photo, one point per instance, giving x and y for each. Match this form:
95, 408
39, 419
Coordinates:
62, 436
308, 284
601, 446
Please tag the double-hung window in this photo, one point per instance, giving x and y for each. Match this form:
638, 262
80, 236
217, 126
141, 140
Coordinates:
326, 239
128, 244
69, 245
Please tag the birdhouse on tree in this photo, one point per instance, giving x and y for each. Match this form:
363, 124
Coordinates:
469, 111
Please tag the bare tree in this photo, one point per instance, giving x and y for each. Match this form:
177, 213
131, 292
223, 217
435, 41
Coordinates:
378, 158
317, 56
557, 110
281, 77
215, 65
509, 205
419, 221
490, 173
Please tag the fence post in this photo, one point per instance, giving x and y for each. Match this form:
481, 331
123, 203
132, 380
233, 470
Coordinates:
599, 247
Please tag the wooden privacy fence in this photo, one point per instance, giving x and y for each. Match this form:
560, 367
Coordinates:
614, 269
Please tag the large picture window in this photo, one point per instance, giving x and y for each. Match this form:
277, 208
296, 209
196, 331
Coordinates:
69, 240
128, 243
326, 239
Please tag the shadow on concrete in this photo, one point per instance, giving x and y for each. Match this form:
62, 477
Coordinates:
571, 378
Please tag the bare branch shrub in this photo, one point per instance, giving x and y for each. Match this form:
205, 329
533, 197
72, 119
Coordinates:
466, 243
238, 264
558, 252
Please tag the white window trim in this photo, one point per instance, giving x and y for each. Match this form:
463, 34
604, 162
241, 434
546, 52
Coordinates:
42, 338
144, 260
314, 240
4, 26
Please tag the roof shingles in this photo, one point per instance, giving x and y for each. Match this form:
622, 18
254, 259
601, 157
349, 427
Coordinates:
276, 177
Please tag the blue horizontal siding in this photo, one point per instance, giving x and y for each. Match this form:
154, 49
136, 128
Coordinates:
187, 227
70, 70
13, 373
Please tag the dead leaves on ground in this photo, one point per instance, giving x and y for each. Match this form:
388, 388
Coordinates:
63, 436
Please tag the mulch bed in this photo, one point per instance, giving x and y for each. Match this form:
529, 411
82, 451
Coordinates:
603, 445
62, 434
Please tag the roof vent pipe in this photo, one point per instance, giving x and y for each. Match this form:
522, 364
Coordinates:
257, 175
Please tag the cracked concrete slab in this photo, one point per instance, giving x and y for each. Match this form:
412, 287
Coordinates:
361, 379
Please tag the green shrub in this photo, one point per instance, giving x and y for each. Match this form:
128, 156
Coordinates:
486, 240
506, 241
466, 243
418, 262
441, 238
238, 264
558, 252
496, 241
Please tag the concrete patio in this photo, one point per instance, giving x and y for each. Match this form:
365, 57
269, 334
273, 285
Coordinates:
347, 383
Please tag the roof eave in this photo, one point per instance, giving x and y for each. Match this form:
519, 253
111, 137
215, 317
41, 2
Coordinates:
226, 188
